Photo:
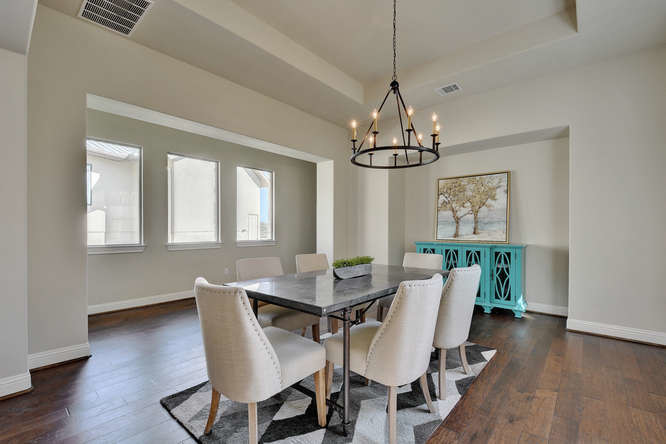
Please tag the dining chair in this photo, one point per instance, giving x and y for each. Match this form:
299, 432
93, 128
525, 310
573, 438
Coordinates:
273, 315
455, 317
411, 260
397, 351
248, 364
311, 262
316, 262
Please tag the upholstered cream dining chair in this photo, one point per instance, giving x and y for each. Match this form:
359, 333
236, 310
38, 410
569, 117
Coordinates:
311, 262
249, 364
455, 317
411, 260
274, 315
397, 351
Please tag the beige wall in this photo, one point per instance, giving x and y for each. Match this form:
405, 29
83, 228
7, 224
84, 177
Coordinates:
616, 112
13, 220
539, 208
81, 59
118, 277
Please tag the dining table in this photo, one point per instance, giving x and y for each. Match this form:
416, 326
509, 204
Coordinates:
321, 293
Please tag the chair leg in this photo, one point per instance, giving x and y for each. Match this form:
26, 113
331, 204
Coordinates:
426, 392
315, 332
392, 410
253, 430
380, 313
303, 331
329, 378
363, 317
463, 359
214, 403
320, 395
335, 325
442, 373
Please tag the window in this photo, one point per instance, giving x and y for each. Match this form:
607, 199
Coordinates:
113, 195
193, 201
254, 205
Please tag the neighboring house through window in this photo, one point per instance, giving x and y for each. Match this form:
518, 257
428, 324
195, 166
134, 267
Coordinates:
113, 195
254, 205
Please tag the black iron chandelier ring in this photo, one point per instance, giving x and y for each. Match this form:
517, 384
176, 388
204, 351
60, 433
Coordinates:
420, 154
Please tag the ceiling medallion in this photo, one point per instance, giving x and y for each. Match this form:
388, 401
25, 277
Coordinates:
414, 154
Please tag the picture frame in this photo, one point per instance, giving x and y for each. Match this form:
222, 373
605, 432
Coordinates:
473, 208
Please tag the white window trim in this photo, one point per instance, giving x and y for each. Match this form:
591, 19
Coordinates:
264, 242
114, 249
180, 246
256, 243
121, 248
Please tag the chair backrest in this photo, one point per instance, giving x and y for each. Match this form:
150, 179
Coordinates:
423, 260
455, 311
400, 351
311, 262
258, 267
241, 362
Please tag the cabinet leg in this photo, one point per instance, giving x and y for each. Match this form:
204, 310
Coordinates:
517, 313
486, 309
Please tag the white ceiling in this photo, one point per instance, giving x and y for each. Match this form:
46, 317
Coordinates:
333, 58
357, 35
16, 18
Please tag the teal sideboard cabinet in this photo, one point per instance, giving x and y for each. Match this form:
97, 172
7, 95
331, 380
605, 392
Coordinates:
502, 270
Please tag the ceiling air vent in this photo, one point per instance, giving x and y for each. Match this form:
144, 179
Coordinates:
120, 16
448, 89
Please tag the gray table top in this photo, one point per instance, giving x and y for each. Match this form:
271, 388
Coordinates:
319, 293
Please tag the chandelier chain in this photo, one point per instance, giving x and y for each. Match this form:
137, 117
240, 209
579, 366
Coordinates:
395, 75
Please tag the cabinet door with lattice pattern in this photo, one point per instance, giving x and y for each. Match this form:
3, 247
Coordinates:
476, 255
502, 263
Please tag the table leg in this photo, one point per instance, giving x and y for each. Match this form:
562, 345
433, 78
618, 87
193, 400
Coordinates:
345, 367
255, 306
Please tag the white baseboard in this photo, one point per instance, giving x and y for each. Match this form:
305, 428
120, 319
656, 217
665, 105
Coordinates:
558, 310
617, 331
57, 355
139, 302
15, 384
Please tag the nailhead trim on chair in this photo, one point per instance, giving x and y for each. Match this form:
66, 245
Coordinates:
394, 306
248, 311
264, 342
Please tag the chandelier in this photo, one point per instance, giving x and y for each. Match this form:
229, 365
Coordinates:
368, 153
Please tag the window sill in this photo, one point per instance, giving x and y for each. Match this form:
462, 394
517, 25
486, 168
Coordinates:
253, 243
193, 246
115, 249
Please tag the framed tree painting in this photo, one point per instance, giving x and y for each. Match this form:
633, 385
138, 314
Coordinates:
473, 208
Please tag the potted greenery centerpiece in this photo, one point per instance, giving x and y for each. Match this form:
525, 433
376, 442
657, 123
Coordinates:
352, 267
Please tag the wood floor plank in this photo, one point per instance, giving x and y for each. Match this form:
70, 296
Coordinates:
593, 424
563, 430
648, 425
542, 411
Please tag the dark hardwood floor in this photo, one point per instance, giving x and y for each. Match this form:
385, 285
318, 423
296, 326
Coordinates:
544, 385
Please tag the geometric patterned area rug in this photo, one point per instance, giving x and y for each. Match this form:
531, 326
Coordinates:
291, 416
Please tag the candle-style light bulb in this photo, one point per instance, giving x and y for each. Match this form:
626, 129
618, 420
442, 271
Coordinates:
437, 132
410, 112
353, 125
375, 116
434, 122
420, 137
395, 145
